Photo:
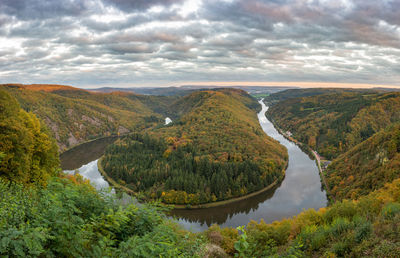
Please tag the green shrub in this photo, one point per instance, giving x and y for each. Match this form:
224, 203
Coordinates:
339, 226
390, 210
70, 219
346, 209
363, 229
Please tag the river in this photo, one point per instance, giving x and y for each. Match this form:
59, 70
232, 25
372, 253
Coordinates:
301, 188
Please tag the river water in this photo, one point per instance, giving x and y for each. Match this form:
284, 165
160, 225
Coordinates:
301, 188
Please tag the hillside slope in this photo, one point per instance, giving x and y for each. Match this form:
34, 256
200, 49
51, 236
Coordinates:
359, 131
216, 150
297, 93
367, 166
74, 115
333, 123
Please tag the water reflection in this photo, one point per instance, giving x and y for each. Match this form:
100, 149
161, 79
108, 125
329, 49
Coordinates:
85, 153
91, 172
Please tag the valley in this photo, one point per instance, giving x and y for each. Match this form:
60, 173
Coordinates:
215, 149
300, 189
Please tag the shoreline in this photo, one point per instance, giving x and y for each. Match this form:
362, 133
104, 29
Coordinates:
307, 148
88, 141
111, 181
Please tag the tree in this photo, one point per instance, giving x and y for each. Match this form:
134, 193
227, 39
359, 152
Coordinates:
29, 154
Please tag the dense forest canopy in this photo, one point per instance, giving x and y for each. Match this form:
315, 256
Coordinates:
216, 150
367, 166
297, 93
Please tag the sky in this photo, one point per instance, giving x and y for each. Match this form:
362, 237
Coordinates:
95, 43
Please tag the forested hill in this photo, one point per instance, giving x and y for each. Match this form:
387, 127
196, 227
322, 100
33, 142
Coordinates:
366, 167
297, 93
75, 115
335, 122
358, 130
215, 150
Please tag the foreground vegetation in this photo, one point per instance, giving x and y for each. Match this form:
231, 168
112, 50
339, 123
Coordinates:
70, 219
215, 151
28, 155
368, 227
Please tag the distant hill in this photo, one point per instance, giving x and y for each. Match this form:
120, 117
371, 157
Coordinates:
297, 93
214, 150
187, 89
157, 91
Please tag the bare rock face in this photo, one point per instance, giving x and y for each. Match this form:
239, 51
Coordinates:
72, 140
61, 147
122, 130
54, 127
94, 121
70, 111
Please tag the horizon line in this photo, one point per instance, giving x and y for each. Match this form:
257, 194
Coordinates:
244, 83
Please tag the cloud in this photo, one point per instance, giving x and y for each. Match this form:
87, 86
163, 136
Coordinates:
119, 41
43, 9
129, 5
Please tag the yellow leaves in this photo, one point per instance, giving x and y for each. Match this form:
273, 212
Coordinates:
167, 152
179, 197
30, 153
171, 140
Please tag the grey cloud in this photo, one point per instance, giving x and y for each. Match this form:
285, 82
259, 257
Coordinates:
129, 5
42, 9
122, 48
314, 21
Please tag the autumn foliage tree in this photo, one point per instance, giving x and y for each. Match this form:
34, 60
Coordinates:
27, 154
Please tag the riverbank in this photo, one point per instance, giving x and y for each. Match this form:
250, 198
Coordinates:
309, 151
225, 202
88, 141
111, 181
321, 172
116, 185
